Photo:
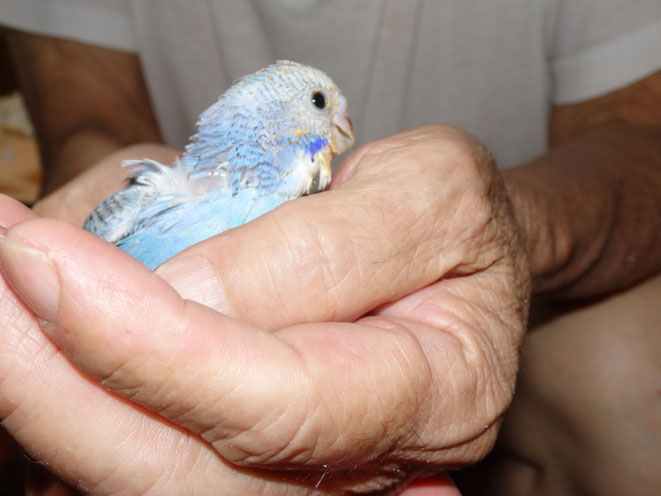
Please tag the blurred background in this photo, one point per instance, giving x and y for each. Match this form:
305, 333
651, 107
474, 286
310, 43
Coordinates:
20, 168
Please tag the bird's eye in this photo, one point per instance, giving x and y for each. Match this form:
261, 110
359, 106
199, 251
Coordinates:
319, 99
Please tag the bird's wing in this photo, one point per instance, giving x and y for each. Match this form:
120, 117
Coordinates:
151, 185
169, 225
115, 217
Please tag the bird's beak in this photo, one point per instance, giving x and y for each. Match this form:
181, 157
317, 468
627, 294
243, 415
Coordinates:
342, 129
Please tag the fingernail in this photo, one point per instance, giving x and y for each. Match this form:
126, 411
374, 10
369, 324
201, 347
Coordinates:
194, 278
32, 275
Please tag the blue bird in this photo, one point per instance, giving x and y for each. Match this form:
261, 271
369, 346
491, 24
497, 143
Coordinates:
268, 139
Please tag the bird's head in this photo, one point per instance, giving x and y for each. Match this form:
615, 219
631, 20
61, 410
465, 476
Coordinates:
312, 102
298, 113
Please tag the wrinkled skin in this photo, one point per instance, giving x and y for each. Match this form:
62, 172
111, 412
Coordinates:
370, 334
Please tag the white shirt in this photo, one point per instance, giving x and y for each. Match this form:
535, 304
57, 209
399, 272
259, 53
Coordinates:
493, 67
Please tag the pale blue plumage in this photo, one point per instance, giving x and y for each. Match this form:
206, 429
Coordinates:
268, 139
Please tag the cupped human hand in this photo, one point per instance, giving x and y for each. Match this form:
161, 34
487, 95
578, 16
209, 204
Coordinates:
360, 338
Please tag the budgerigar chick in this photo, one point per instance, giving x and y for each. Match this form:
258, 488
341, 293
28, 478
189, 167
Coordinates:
268, 139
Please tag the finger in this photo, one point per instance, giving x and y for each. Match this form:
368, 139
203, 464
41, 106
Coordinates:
96, 440
110, 314
122, 324
319, 395
12, 211
474, 380
44, 404
385, 232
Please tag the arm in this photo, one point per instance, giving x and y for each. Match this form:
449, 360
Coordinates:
85, 102
590, 210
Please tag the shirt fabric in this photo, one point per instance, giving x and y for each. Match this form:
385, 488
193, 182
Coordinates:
493, 67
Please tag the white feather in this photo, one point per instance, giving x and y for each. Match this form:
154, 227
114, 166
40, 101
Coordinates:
168, 180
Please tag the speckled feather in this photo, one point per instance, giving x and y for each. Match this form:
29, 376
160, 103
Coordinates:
265, 141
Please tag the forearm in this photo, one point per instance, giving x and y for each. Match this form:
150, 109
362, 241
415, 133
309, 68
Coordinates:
589, 212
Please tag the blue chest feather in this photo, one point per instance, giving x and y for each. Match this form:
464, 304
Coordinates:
316, 146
